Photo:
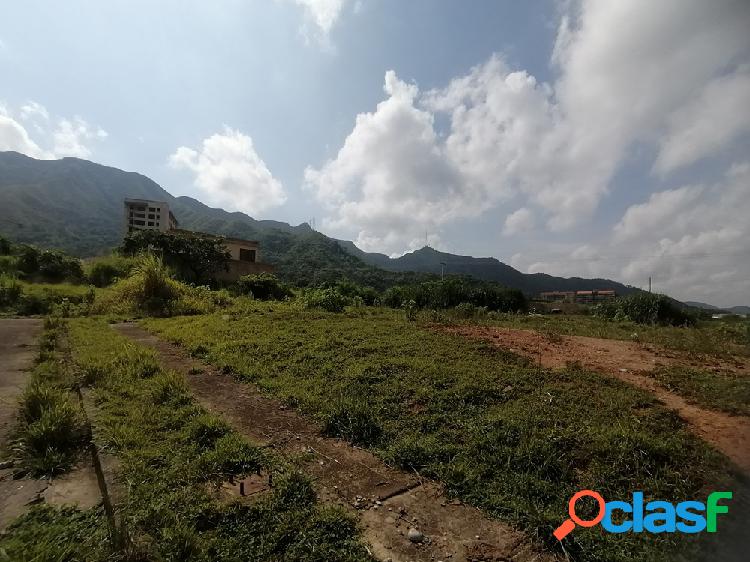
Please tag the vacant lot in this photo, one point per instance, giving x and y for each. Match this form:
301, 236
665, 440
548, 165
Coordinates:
511, 437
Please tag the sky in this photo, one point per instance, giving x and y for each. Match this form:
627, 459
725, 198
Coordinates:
574, 137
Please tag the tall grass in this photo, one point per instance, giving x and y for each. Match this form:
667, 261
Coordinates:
151, 290
51, 429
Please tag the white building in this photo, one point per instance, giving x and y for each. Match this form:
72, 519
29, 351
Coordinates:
142, 214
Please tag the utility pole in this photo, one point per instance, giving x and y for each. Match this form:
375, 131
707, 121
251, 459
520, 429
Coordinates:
442, 269
649, 283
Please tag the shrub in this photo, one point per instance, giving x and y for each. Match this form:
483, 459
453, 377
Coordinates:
151, 290
645, 308
48, 265
10, 291
263, 286
453, 292
102, 272
5, 246
328, 299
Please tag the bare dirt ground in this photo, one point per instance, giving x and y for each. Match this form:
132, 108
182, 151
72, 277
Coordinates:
628, 361
388, 502
79, 487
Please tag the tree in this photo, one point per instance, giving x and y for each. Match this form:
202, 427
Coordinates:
194, 257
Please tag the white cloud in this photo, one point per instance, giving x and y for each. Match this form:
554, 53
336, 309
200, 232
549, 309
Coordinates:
230, 174
708, 122
629, 74
71, 138
320, 18
33, 109
62, 136
391, 180
519, 221
692, 241
324, 13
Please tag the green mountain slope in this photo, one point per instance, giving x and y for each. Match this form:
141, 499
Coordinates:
76, 205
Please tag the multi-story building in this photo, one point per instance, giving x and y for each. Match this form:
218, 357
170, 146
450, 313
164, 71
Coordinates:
142, 214
580, 297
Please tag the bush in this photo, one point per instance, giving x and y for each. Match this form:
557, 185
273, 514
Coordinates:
10, 291
104, 271
263, 286
645, 308
453, 292
5, 246
328, 299
48, 265
151, 290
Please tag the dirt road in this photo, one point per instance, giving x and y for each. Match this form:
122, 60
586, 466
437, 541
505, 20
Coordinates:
628, 361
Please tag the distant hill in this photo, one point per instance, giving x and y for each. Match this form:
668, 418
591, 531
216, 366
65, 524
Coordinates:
76, 205
703, 305
732, 309
429, 260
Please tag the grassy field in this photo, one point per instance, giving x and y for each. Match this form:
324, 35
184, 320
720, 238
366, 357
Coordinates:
174, 455
728, 392
709, 337
502, 434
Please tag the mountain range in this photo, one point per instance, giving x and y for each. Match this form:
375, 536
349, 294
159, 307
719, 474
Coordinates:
77, 206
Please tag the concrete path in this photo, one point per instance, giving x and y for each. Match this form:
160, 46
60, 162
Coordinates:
18, 338
387, 501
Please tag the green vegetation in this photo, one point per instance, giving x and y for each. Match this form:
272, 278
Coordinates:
502, 434
717, 338
152, 290
645, 308
328, 299
455, 291
102, 272
47, 265
726, 391
46, 533
194, 258
51, 431
175, 457
264, 286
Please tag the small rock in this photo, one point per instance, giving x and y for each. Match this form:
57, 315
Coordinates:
476, 537
378, 502
414, 535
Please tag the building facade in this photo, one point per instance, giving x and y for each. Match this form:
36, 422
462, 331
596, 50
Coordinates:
142, 214
579, 297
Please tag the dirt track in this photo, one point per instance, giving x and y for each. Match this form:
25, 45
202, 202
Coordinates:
389, 502
627, 361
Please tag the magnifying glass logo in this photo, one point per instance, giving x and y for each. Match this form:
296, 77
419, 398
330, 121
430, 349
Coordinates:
569, 524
